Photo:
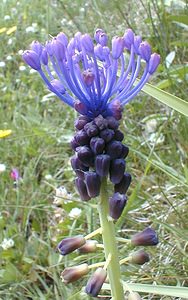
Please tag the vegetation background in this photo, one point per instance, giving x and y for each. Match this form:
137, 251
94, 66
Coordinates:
33, 215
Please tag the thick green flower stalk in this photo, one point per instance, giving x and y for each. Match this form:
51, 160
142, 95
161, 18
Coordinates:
98, 81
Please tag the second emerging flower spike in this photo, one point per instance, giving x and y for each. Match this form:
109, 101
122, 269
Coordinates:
90, 75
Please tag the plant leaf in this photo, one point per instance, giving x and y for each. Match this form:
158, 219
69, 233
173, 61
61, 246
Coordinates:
170, 100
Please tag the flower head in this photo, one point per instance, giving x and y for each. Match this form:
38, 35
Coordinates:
91, 76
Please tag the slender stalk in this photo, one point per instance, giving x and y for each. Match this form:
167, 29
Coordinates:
110, 247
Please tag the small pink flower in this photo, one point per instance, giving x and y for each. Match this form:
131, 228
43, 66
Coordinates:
15, 174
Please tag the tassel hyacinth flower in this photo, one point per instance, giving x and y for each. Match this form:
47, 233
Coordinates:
97, 79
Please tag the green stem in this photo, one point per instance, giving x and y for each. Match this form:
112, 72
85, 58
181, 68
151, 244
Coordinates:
110, 246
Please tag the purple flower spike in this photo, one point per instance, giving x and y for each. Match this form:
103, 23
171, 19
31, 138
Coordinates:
117, 47
147, 237
70, 244
154, 62
116, 205
80, 107
32, 59
95, 283
58, 49
128, 38
145, 51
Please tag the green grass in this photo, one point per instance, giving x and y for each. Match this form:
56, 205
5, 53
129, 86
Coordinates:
39, 145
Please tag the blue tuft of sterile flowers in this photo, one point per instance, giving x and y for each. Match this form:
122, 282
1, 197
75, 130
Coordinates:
91, 75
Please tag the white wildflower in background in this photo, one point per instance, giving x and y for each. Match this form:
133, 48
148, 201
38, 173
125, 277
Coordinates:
7, 243
22, 68
2, 168
61, 195
30, 29
9, 57
75, 213
9, 41
151, 133
48, 177
7, 17
20, 52
151, 125
32, 71
2, 64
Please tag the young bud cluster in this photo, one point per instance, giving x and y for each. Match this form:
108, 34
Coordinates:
99, 153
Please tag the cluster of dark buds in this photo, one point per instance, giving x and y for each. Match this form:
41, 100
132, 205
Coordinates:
99, 153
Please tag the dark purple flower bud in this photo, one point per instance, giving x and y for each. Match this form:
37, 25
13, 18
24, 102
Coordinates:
93, 184
112, 123
119, 136
107, 135
88, 77
32, 59
63, 38
124, 184
98, 32
117, 170
87, 43
89, 247
82, 190
36, 47
114, 149
116, 109
85, 155
117, 46
95, 283
98, 50
81, 122
145, 51
74, 273
125, 151
97, 145
103, 39
70, 244
102, 165
44, 57
58, 86
154, 62
101, 122
139, 257
82, 137
137, 42
77, 164
74, 144
134, 296
91, 129
80, 107
128, 38
147, 237
58, 49
116, 205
